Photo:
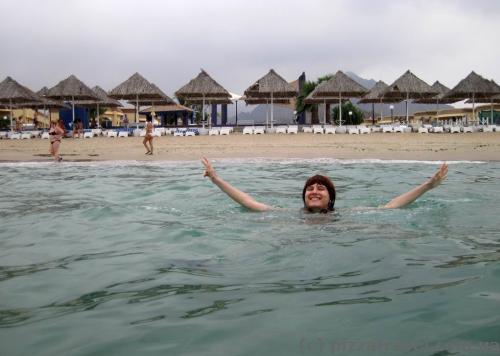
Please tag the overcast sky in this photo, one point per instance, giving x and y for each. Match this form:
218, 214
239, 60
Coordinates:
103, 42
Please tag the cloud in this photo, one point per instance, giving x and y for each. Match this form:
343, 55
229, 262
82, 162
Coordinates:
104, 42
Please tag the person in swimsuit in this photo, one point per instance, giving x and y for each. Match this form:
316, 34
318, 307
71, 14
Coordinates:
319, 193
149, 136
56, 133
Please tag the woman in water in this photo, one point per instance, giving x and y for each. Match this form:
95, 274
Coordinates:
318, 194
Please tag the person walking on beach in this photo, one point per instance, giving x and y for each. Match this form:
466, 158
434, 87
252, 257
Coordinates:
149, 136
319, 192
56, 133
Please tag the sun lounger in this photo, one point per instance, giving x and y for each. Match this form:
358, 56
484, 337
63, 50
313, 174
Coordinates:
248, 130
340, 130
423, 130
123, 134
258, 130
88, 134
398, 129
318, 129
97, 132
352, 131
292, 129
487, 129
112, 133
307, 129
387, 129
493, 127
15, 136
454, 129
281, 129
225, 131
213, 132
4, 134
45, 135
26, 135
364, 130
191, 132
329, 129
438, 129
466, 129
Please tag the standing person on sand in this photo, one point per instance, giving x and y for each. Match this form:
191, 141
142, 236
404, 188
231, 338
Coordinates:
56, 133
149, 136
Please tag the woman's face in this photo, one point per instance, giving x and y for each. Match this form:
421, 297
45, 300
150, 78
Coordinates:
316, 197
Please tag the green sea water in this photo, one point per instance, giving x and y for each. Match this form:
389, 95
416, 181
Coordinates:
152, 259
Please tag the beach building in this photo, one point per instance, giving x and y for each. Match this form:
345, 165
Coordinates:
483, 113
170, 115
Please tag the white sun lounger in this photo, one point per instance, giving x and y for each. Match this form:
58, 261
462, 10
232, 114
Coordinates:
292, 129
258, 130
466, 129
438, 129
15, 136
454, 129
225, 131
88, 134
281, 129
123, 134
112, 133
387, 129
353, 131
329, 129
318, 129
213, 132
45, 135
248, 130
26, 135
307, 129
487, 129
364, 130
423, 130
398, 129
190, 133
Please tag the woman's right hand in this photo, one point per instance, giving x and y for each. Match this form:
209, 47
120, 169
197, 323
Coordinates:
209, 170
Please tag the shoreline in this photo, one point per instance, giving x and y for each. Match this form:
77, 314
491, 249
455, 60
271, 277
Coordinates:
410, 146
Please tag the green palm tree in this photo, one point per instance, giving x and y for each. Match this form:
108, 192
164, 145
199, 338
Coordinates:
307, 88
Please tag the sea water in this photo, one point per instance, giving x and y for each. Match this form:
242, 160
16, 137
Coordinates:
153, 259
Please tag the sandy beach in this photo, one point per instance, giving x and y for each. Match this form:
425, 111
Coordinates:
450, 147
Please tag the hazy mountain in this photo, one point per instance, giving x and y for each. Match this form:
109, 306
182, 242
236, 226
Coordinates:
367, 83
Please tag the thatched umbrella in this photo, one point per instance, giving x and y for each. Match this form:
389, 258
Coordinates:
409, 86
13, 92
270, 86
102, 100
375, 96
473, 87
441, 90
323, 100
135, 88
203, 87
339, 85
493, 100
71, 88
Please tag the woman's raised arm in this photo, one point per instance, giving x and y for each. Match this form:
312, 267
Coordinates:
412, 195
237, 195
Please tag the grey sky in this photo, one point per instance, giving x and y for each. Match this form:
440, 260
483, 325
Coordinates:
103, 42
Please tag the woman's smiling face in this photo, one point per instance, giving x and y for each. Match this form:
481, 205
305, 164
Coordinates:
316, 197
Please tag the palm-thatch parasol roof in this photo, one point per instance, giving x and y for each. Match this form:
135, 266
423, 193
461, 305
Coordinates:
271, 84
310, 99
71, 88
441, 90
102, 99
375, 95
202, 86
167, 108
163, 100
210, 100
135, 88
13, 92
257, 100
409, 86
339, 85
473, 87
